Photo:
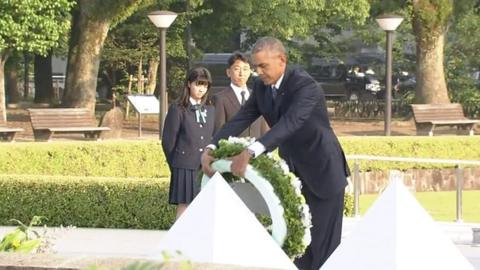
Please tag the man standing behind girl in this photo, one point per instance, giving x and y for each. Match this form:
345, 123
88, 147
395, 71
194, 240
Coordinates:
188, 129
229, 101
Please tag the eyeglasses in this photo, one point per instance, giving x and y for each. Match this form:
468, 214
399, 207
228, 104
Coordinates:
244, 70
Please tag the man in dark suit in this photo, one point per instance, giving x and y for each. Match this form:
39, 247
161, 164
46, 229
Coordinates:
228, 101
293, 104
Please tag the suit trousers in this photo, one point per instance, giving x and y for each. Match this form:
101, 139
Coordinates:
326, 231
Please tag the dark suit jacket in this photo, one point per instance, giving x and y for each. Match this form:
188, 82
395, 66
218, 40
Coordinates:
226, 106
183, 139
300, 128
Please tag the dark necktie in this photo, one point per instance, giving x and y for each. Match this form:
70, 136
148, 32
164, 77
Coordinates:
274, 92
243, 97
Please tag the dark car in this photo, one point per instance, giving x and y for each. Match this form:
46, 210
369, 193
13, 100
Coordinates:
340, 81
404, 85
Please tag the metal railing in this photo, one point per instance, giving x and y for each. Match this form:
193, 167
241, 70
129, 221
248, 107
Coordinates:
455, 162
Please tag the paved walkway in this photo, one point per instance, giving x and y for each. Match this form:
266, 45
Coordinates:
83, 242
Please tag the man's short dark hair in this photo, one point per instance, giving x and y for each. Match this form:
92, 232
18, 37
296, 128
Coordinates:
269, 43
237, 56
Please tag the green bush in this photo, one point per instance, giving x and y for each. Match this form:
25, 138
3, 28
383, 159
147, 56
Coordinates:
146, 159
107, 158
349, 206
123, 184
440, 147
101, 202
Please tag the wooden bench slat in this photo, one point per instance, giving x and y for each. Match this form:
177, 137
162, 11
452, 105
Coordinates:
6, 129
427, 116
46, 122
453, 122
7, 134
74, 129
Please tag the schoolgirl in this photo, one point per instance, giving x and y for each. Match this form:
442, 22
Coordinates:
188, 129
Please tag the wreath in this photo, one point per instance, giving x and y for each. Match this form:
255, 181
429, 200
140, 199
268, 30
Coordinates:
287, 188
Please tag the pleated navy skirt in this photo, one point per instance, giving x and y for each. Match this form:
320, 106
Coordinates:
184, 186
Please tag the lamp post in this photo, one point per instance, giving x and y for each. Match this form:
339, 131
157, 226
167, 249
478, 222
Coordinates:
162, 20
388, 23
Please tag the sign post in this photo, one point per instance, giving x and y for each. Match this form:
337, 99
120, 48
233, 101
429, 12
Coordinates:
144, 104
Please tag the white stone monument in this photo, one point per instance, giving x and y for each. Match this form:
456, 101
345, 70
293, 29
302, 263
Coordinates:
397, 233
218, 228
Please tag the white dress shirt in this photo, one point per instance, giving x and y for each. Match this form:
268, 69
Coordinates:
238, 92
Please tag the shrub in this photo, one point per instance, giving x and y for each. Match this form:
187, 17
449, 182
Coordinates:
107, 158
135, 203
441, 147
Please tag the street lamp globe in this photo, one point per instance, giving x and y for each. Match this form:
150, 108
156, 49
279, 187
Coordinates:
162, 18
389, 22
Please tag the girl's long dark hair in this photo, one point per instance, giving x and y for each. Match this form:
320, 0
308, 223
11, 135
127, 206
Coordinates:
195, 74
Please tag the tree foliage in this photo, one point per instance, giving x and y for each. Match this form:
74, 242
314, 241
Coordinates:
30, 26
461, 61
283, 19
33, 25
135, 42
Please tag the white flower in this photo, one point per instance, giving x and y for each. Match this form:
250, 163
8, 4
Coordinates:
246, 141
306, 212
297, 185
307, 238
284, 166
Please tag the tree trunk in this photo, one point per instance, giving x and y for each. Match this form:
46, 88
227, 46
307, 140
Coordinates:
26, 73
188, 36
431, 86
44, 92
140, 76
3, 109
11, 82
86, 42
152, 75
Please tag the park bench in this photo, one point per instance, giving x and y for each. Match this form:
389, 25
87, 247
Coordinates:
7, 134
429, 116
46, 122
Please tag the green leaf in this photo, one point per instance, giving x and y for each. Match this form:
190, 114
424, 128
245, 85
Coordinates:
29, 245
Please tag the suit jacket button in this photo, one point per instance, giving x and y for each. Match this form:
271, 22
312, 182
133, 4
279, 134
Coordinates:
200, 149
201, 137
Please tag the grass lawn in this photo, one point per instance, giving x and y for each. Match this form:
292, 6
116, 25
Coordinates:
440, 205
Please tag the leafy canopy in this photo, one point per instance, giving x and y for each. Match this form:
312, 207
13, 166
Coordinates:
33, 25
284, 19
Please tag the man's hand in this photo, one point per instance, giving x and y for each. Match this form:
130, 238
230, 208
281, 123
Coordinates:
206, 161
239, 163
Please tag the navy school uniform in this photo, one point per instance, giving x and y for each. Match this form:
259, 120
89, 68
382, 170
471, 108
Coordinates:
183, 141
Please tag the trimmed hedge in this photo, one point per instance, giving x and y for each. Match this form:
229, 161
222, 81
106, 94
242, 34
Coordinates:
134, 203
85, 158
441, 147
92, 202
130, 187
146, 159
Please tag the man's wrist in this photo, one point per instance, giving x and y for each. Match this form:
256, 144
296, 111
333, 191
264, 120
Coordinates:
211, 147
257, 149
251, 152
